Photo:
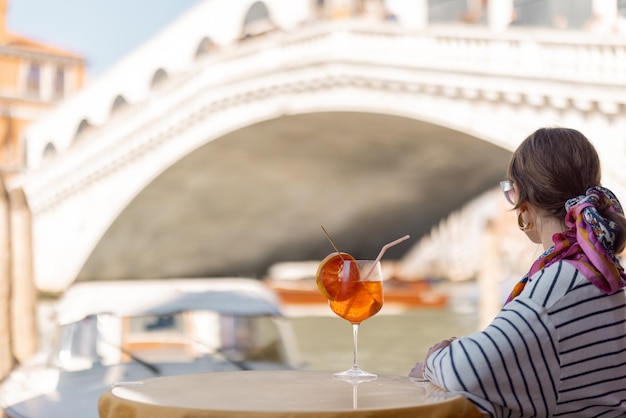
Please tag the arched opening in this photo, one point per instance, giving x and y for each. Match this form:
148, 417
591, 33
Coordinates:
395, 174
205, 47
257, 21
159, 77
119, 103
83, 127
49, 151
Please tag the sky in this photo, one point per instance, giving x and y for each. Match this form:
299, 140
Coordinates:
103, 31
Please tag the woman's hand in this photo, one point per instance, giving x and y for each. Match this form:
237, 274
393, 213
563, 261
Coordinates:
437, 346
416, 371
420, 367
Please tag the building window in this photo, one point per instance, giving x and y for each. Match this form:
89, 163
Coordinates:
33, 80
59, 83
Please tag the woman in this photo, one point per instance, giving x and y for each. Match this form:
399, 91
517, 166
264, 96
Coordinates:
558, 346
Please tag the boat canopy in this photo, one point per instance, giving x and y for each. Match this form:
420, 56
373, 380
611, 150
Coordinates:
227, 296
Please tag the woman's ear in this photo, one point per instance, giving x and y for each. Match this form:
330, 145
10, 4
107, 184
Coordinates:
523, 207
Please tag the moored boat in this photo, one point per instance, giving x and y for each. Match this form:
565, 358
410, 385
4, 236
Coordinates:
294, 283
115, 331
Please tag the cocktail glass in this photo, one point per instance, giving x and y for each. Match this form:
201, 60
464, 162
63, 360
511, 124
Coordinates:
360, 296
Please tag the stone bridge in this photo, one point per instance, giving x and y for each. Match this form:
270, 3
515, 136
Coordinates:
207, 153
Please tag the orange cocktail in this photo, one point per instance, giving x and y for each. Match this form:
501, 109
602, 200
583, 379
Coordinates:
354, 290
365, 301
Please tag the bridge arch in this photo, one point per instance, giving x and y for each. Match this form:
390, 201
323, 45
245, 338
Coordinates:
92, 206
368, 177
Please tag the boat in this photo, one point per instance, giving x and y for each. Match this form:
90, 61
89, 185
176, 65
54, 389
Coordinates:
294, 283
110, 332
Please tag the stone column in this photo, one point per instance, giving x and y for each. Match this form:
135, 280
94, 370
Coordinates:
499, 14
24, 331
6, 359
607, 9
420, 12
488, 275
411, 14
605, 18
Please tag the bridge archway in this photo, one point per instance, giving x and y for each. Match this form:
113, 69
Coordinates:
259, 194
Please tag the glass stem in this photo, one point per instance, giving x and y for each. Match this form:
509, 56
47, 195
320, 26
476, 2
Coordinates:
355, 334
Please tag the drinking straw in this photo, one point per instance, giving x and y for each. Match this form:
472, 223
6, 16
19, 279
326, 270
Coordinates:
382, 251
391, 244
380, 254
332, 243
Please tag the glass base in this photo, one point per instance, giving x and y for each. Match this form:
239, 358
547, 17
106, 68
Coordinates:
355, 373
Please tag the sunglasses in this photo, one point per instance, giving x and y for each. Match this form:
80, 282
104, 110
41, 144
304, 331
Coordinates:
508, 190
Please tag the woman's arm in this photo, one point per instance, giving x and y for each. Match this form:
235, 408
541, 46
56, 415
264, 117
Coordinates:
512, 365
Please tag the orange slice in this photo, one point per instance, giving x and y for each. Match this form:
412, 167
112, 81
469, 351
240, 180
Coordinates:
333, 282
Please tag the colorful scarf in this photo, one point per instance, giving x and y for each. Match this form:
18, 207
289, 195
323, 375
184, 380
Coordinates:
587, 244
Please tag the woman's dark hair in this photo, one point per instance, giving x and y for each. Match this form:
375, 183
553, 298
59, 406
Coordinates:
554, 165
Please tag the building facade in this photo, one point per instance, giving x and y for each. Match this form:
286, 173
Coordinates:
33, 78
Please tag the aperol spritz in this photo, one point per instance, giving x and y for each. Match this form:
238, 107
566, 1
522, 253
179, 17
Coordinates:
354, 290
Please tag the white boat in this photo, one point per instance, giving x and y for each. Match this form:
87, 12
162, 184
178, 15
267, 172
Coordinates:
111, 332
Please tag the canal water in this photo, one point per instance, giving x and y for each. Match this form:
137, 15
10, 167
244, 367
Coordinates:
391, 341
387, 343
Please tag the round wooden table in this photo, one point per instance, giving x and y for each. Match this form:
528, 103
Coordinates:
265, 394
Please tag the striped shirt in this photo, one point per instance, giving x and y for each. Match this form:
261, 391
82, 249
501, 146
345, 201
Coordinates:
557, 350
